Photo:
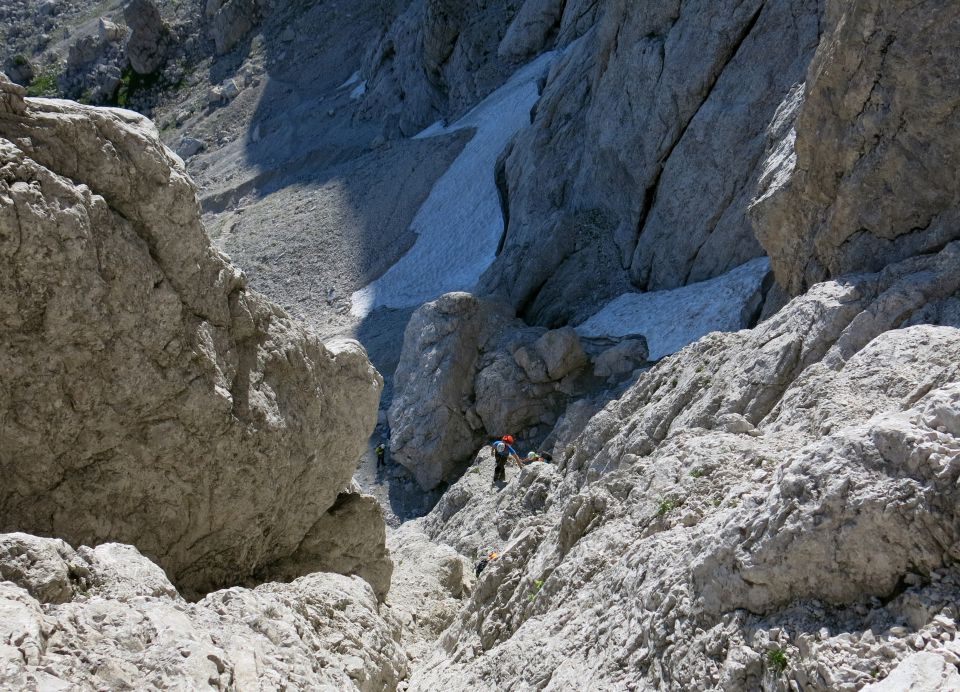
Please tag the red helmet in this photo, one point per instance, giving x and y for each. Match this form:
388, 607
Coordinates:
508, 439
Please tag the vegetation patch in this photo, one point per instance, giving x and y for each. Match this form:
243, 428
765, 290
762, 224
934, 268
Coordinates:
132, 83
45, 83
777, 660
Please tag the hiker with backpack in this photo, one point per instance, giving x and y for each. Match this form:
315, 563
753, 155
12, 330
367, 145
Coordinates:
502, 451
381, 451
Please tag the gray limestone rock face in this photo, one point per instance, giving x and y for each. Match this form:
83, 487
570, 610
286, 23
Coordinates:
350, 538
148, 45
531, 28
148, 396
644, 151
621, 359
789, 488
470, 371
883, 91
231, 21
125, 627
436, 58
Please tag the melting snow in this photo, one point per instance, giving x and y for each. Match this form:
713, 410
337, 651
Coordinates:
352, 79
459, 225
672, 319
358, 90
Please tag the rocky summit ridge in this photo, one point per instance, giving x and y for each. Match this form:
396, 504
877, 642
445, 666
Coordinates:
714, 274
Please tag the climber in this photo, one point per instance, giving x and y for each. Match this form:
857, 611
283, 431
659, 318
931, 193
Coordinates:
501, 452
538, 456
381, 450
483, 562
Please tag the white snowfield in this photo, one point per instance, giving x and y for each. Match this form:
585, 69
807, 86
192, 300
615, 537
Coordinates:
672, 319
460, 223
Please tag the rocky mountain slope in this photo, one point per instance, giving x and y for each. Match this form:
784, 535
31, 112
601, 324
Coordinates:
704, 253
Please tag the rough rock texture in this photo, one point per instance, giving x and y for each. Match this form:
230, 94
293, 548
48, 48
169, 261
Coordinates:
790, 488
350, 538
470, 371
231, 21
883, 91
645, 149
435, 59
116, 622
428, 588
147, 396
621, 358
531, 29
148, 44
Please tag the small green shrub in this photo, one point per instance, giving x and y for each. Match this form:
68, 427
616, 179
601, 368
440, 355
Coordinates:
666, 506
132, 82
698, 472
537, 585
777, 660
44, 84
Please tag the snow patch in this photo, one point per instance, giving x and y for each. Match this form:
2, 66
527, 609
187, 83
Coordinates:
358, 90
672, 319
353, 79
459, 225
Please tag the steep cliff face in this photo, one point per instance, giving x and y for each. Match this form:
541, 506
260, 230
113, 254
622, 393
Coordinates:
644, 151
883, 92
147, 395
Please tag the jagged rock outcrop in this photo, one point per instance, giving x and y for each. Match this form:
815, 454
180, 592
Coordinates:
350, 538
231, 21
645, 149
108, 618
788, 489
436, 58
883, 92
468, 370
147, 395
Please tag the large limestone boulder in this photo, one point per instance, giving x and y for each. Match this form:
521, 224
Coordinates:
231, 21
883, 91
645, 149
469, 371
150, 37
118, 623
350, 538
147, 395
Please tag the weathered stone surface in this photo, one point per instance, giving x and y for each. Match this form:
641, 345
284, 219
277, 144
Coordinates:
710, 515
531, 28
436, 59
149, 40
430, 434
231, 21
621, 359
148, 397
922, 672
470, 371
644, 151
350, 538
882, 91
323, 631
561, 352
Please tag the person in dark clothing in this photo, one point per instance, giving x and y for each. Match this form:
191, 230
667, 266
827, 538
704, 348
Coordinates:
502, 451
381, 451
